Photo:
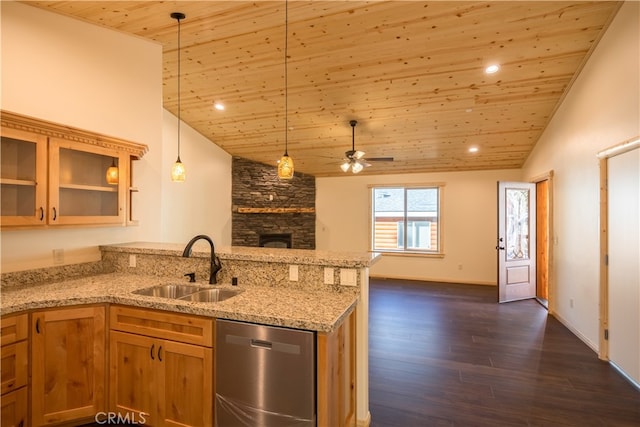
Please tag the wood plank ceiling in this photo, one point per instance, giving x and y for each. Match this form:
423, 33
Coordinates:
410, 72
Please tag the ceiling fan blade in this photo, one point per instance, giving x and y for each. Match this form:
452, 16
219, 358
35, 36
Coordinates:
380, 159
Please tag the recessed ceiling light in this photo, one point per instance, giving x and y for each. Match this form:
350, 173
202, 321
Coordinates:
473, 149
492, 69
218, 106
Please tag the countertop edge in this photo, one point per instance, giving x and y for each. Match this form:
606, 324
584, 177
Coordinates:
65, 294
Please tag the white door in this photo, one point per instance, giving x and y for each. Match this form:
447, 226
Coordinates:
516, 241
623, 175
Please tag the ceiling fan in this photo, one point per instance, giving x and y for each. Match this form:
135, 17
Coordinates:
354, 159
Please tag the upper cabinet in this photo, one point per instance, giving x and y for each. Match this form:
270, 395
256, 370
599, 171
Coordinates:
55, 175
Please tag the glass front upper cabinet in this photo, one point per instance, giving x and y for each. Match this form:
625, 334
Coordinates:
56, 175
23, 176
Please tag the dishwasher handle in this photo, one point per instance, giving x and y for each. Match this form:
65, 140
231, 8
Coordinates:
262, 344
279, 347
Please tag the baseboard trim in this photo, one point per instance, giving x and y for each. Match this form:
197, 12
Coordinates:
423, 279
577, 333
366, 422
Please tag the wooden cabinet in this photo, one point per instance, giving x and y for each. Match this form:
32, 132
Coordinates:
23, 178
68, 364
55, 175
14, 371
336, 361
161, 367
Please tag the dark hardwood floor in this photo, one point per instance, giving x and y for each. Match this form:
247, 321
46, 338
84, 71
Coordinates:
449, 355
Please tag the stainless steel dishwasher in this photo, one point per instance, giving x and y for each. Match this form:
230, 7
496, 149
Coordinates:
265, 376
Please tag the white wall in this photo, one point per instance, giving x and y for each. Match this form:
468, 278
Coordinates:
601, 110
201, 204
469, 213
70, 72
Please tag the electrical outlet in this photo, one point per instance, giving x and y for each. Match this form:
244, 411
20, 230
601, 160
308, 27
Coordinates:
132, 260
348, 277
459, 266
328, 276
293, 273
571, 302
58, 256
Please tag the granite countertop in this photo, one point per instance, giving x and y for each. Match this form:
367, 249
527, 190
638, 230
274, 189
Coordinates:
316, 310
278, 255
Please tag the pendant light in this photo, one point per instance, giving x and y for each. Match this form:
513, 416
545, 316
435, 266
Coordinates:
285, 165
178, 173
112, 173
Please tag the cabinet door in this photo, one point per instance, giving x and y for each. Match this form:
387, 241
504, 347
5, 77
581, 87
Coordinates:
67, 364
187, 395
13, 411
133, 377
23, 177
78, 188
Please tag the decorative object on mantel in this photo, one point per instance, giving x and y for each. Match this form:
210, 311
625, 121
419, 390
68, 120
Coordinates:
285, 165
112, 173
276, 210
178, 172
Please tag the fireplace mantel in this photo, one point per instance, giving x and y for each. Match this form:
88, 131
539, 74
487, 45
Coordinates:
248, 210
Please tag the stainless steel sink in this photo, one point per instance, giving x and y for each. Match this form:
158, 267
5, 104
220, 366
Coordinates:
211, 295
189, 293
168, 291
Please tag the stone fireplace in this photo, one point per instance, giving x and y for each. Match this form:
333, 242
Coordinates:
263, 205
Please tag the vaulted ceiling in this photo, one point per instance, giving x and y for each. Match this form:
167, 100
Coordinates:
412, 73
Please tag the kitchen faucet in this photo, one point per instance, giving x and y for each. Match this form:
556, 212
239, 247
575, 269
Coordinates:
216, 265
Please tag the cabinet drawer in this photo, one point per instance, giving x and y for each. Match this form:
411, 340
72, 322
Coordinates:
13, 412
13, 366
13, 328
163, 324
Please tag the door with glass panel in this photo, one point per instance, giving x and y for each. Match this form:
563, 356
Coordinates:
516, 243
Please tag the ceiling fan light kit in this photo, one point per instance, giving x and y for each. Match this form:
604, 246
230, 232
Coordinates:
354, 159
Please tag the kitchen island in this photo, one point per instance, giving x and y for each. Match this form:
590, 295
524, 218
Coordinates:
297, 289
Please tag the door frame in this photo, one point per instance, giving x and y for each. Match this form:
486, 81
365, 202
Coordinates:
603, 156
548, 176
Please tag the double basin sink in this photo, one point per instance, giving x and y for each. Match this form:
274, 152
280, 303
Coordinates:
189, 293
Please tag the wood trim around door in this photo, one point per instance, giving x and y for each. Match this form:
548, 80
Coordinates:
548, 176
628, 145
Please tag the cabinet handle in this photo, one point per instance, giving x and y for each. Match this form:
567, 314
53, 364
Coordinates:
152, 347
21, 423
55, 214
37, 326
160, 353
41, 213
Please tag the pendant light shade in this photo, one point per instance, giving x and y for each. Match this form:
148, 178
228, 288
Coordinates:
178, 172
112, 173
285, 165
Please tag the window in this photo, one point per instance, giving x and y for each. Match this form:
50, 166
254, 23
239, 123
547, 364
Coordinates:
406, 219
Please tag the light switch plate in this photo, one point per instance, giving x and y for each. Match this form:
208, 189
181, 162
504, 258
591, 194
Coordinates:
132, 260
348, 277
293, 273
328, 276
58, 256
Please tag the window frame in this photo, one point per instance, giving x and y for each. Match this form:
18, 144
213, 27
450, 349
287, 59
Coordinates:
405, 251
